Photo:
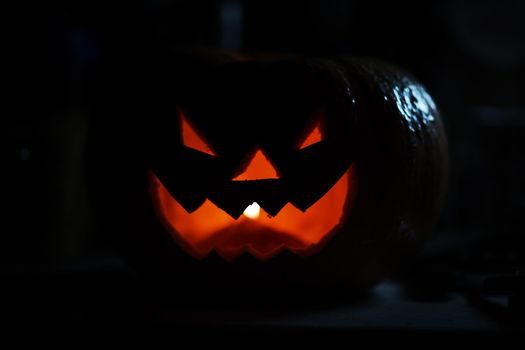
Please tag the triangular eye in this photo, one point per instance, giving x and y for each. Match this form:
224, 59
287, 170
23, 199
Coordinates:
313, 137
191, 138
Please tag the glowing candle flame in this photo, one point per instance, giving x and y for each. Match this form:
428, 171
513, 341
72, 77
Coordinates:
252, 211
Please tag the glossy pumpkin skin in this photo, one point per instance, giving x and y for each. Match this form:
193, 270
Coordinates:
387, 126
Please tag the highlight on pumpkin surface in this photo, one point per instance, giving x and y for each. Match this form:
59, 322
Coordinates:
209, 228
191, 138
258, 168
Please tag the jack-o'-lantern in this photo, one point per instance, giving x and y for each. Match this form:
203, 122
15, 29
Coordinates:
305, 171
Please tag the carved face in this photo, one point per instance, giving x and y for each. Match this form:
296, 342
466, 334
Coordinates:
258, 169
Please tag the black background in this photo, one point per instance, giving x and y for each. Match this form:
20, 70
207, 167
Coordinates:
469, 54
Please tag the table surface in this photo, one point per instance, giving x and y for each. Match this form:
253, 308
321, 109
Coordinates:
109, 296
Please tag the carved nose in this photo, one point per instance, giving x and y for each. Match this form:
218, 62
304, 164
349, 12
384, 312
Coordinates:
258, 167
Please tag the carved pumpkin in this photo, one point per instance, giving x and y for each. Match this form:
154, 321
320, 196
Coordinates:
259, 170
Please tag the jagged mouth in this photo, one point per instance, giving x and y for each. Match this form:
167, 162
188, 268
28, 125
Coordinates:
209, 228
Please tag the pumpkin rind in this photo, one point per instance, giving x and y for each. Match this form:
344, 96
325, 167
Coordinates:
397, 145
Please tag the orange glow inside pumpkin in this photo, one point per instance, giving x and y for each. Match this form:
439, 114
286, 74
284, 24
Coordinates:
210, 228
